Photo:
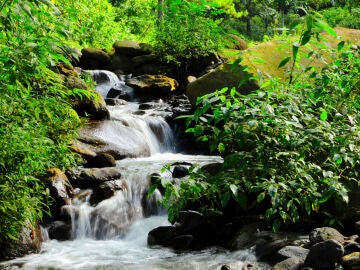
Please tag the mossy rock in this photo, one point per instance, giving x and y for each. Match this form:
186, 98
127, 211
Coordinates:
222, 76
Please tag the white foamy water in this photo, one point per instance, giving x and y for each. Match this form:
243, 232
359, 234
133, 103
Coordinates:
113, 233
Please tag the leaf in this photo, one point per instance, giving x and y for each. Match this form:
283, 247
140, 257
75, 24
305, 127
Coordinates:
234, 189
340, 45
325, 27
260, 197
272, 190
276, 225
225, 198
323, 116
284, 62
305, 37
221, 147
295, 49
242, 200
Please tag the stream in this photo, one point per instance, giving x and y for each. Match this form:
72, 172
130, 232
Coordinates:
113, 234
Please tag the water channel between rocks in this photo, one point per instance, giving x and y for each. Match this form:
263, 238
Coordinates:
117, 237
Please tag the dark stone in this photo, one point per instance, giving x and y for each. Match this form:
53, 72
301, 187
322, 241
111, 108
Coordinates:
293, 252
93, 106
289, 264
181, 242
130, 48
225, 267
324, 255
161, 235
101, 160
92, 58
325, 233
189, 220
212, 168
351, 247
93, 177
357, 227
28, 242
144, 59
115, 101
120, 63
106, 190
180, 171
59, 230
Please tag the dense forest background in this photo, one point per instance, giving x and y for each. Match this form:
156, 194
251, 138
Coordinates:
38, 123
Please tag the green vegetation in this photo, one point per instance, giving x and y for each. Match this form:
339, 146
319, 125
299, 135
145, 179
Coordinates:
288, 148
307, 132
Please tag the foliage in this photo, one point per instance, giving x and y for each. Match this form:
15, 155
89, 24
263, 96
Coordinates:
92, 23
338, 16
186, 32
36, 122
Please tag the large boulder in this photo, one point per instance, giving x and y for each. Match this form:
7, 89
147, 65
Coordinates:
131, 48
325, 233
93, 58
223, 76
351, 261
92, 106
58, 184
28, 242
120, 64
324, 255
152, 85
107, 190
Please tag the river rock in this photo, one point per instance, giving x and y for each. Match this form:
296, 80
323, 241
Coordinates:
144, 59
93, 177
325, 233
120, 64
152, 85
59, 230
28, 242
289, 264
101, 160
92, 106
83, 149
294, 252
189, 220
131, 48
324, 255
222, 76
161, 235
72, 82
107, 190
58, 183
93, 58
181, 242
351, 248
351, 261
180, 171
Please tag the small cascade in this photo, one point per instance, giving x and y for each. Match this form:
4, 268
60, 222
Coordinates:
107, 80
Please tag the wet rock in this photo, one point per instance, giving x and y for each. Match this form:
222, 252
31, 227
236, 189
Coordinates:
83, 149
92, 106
351, 248
351, 261
225, 267
144, 59
107, 190
324, 255
115, 101
189, 220
93, 58
325, 233
72, 82
289, 264
152, 85
180, 171
120, 64
150, 204
58, 184
181, 242
59, 230
221, 77
161, 235
28, 242
212, 168
93, 177
130, 48
101, 160
357, 227
293, 252
118, 93
246, 237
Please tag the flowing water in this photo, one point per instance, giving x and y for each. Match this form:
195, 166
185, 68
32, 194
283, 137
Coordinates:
113, 234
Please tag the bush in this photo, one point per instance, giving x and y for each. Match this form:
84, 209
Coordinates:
185, 32
338, 16
289, 149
